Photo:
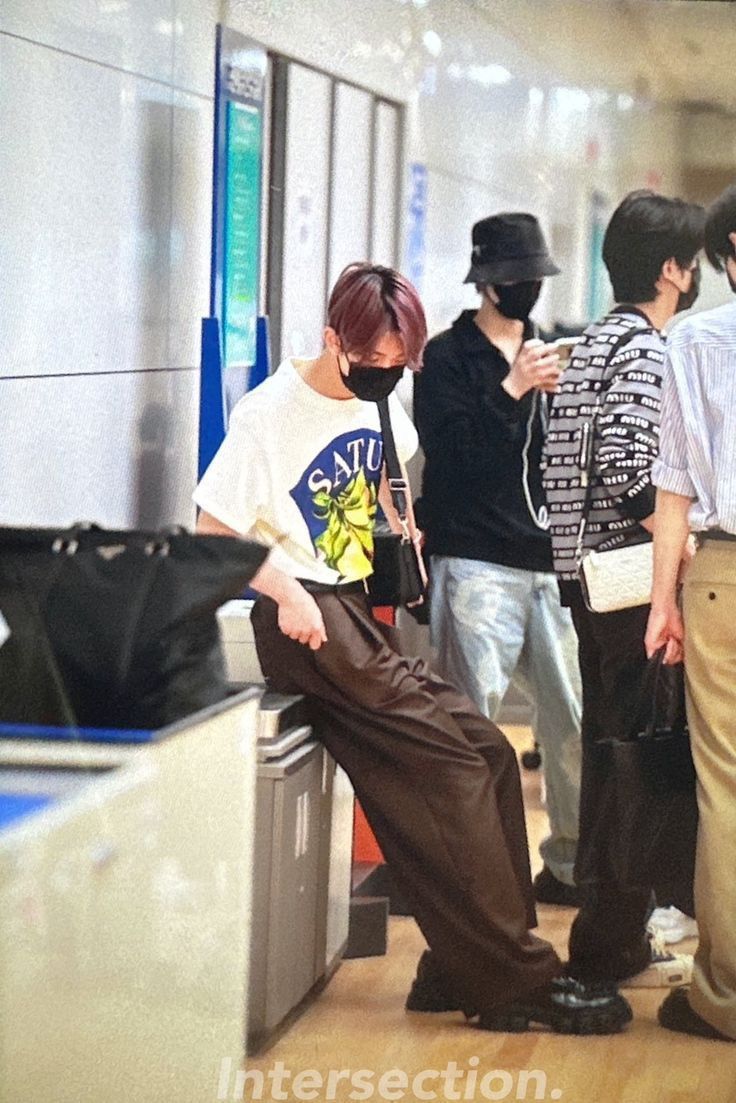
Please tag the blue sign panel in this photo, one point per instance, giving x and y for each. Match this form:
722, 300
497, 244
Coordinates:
599, 294
231, 349
417, 225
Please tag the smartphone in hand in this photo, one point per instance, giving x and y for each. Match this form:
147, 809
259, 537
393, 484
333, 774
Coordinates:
564, 347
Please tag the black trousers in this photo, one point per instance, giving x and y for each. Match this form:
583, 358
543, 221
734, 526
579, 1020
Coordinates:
608, 937
439, 784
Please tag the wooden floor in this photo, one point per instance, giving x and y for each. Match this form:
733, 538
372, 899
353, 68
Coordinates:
359, 1023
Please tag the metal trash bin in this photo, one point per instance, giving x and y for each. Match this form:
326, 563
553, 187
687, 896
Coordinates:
302, 866
238, 642
125, 903
335, 868
298, 791
286, 889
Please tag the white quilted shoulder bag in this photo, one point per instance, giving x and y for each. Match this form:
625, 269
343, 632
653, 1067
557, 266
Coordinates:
617, 579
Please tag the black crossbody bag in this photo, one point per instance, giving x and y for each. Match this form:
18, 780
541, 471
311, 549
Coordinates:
396, 578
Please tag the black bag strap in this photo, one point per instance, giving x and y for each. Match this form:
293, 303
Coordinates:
587, 445
397, 484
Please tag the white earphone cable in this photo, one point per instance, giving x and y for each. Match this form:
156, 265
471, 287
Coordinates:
539, 516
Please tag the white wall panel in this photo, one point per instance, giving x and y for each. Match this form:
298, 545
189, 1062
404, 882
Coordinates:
136, 35
166, 40
191, 227
116, 449
351, 179
386, 176
194, 44
305, 211
84, 277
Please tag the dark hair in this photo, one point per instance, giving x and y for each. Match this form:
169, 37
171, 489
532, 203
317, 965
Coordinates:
720, 221
369, 300
645, 231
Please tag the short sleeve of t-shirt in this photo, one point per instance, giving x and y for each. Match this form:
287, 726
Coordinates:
233, 488
405, 435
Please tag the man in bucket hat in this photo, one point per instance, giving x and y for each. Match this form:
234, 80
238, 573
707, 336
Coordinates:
481, 411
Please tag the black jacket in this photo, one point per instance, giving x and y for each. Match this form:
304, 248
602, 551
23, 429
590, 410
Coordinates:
477, 500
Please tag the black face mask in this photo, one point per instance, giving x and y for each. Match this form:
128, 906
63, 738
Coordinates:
370, 383
729, 277
516, 300
686, 298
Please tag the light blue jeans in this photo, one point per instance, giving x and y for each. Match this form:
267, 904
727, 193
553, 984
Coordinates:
490, 624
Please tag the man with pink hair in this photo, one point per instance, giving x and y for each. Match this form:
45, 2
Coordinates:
302, 468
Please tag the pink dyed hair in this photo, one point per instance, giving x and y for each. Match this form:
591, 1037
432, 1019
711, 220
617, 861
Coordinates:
369, 300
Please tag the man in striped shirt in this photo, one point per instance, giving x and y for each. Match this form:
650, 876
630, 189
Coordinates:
603, 429
695, 476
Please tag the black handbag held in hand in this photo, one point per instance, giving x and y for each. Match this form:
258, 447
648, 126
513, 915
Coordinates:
647, 784
396, 578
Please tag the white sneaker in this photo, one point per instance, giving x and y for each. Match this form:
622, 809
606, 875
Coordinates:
667, 970
672, 924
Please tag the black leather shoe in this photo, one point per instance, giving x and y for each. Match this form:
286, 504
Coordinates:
677, 1014
549, 890
611, 968
430, 990
564, 1005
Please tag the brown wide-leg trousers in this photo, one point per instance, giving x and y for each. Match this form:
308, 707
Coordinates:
439, 785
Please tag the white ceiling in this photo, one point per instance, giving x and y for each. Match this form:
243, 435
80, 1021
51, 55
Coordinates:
679, 51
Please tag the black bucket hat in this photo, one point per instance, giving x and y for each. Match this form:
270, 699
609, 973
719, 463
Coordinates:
509, 248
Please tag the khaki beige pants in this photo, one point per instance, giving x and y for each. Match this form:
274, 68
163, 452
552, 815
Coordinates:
710, 665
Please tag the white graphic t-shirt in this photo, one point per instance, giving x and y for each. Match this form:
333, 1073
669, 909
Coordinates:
301, 472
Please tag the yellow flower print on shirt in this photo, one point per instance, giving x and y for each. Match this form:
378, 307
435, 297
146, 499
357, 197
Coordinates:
347, 541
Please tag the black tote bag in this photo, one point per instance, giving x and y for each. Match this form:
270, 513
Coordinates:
648, 785
115, 629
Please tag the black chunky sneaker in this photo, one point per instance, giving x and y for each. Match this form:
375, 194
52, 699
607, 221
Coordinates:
566, 1006
677, 1014
548, 889
430, 990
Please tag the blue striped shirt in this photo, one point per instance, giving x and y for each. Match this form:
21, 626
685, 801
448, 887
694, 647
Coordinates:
697, 442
